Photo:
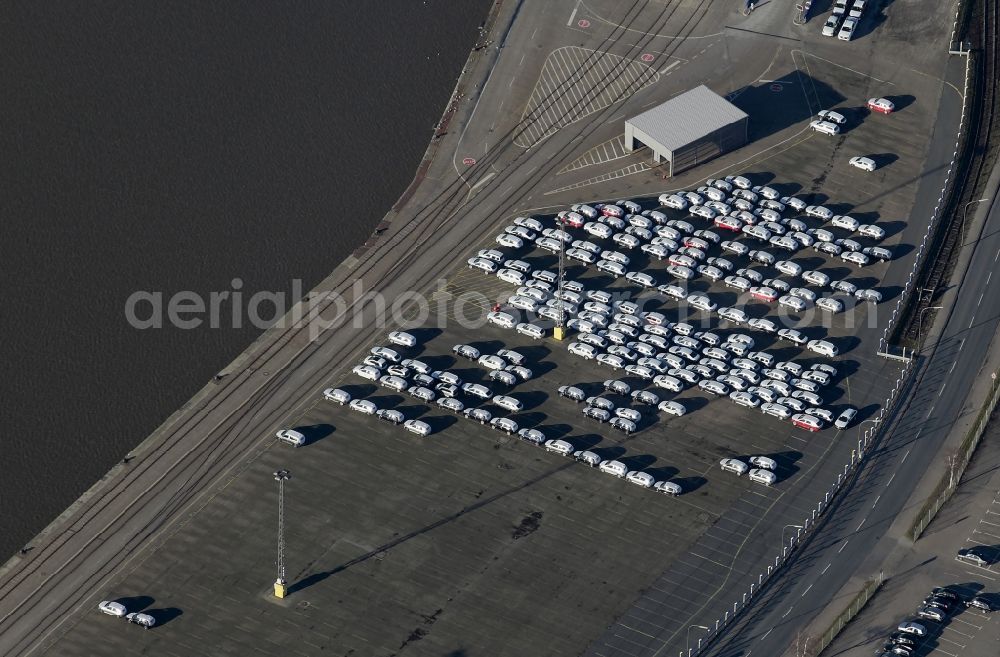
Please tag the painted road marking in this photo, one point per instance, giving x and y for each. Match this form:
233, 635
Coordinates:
667, 68
569, 23
576, 82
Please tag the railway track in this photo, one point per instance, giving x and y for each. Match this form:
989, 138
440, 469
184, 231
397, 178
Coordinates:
207, 450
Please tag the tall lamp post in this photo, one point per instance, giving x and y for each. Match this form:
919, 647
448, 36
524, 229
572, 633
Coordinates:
700, 627
559, 333
783, 534
920, 322
965, 215
280, 586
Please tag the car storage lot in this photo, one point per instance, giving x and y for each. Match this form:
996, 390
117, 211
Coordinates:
462, 536
437, 545
387, 529
475, 532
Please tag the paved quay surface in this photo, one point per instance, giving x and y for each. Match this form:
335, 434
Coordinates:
468, 542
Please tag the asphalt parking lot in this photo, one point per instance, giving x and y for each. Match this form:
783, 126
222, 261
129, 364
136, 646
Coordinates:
969, 520
473, 531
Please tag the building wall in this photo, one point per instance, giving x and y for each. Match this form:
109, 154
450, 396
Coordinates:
636, 139
721, 141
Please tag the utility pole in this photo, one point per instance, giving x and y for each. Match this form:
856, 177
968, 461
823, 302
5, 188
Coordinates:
280, 586
559, 333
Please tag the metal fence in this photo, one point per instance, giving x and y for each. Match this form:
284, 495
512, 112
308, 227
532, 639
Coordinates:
959, 462
865, 443
852, 610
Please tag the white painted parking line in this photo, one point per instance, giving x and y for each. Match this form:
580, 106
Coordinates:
958, 619
979, 531
573, 15
968, 636
669, 66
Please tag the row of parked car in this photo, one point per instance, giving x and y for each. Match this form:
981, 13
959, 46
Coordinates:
635, 338
538, 294
843, 20
752, 379
506, 367
614, 468
935, 608
679, 242
762, 471
119, 610
623, 418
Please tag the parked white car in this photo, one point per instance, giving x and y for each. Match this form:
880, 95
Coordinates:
673, 201
672, 408
583, 350
762, 476
819, 211
734, 465
825, 127
863, 163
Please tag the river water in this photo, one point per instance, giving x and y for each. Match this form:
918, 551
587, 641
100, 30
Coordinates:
169, 147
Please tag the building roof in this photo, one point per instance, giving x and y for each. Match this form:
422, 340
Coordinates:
687, 118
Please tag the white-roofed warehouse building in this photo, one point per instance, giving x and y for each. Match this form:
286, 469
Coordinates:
687, 130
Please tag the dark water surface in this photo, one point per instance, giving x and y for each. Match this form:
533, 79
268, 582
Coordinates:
170, 146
